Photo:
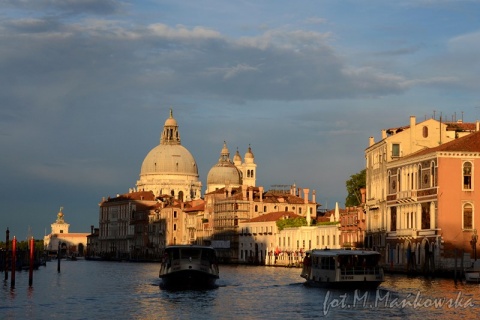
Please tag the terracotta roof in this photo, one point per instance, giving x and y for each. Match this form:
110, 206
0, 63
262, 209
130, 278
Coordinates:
274, 216
139, 195
199, 207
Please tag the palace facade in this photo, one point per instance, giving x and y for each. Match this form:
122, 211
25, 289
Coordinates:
420, 201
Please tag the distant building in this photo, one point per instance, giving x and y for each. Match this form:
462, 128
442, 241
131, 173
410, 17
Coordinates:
230, 207
70, 243
166, 206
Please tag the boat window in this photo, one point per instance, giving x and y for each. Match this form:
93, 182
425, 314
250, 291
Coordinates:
193, 253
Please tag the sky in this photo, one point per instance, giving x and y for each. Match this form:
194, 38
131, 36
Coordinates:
86, 86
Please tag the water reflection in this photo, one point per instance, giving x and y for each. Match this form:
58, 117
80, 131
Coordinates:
105, 290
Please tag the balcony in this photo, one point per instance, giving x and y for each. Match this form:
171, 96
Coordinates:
408, 196
406, 233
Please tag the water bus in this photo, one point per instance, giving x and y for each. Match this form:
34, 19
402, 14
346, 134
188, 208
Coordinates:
189, 266
351, 269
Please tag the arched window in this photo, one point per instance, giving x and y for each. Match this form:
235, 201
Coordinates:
425, 132
467, 216
467, 175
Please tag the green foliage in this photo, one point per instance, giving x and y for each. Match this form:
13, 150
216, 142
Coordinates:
290, 223
353, 185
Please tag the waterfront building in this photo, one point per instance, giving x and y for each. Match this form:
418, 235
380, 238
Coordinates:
92, 243
123, 223
432, 197
231, 206
352, 224
395, 144
70, 243
258, 242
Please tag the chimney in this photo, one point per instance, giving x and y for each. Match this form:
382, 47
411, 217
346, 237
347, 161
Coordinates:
250, 194
314, 193
412, 122
371, 141
91, 229
477, 126
305, 194
384, 134
260, 190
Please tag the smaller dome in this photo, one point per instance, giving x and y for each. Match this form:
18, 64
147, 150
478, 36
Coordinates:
224, 174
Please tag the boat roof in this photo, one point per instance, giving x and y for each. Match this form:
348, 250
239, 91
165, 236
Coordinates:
343, 252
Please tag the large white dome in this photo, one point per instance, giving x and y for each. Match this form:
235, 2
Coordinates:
170, 168
169, 159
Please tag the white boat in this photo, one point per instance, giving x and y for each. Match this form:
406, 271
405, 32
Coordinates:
351, 269
472, 274
189, 266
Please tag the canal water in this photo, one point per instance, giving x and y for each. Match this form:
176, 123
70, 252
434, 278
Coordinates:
121, 290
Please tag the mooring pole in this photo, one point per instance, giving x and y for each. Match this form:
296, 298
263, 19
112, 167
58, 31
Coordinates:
14, 261
6, 253
32, 257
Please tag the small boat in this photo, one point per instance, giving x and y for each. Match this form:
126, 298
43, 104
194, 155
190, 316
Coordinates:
472, 274
189, 266
337, 268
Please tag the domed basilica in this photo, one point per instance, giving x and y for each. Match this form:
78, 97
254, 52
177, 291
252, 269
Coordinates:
170, 169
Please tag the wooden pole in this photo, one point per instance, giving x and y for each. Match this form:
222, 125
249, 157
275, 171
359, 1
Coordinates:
6, 253
14, 261
32, 258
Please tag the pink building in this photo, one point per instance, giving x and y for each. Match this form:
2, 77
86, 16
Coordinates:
431, 199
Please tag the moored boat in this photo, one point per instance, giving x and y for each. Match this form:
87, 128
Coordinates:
189, 266
472, 274
337, 268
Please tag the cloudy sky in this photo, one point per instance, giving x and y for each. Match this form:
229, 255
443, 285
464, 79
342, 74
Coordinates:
86, 86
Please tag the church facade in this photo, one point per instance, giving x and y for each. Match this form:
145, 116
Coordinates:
69, 243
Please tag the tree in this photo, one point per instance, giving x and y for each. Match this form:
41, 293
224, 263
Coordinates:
354, 184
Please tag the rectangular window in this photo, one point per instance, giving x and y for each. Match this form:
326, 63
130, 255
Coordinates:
393, 218
467, 176
425, 216
395, 150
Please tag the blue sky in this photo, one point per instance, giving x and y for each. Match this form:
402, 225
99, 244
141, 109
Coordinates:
86, 86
